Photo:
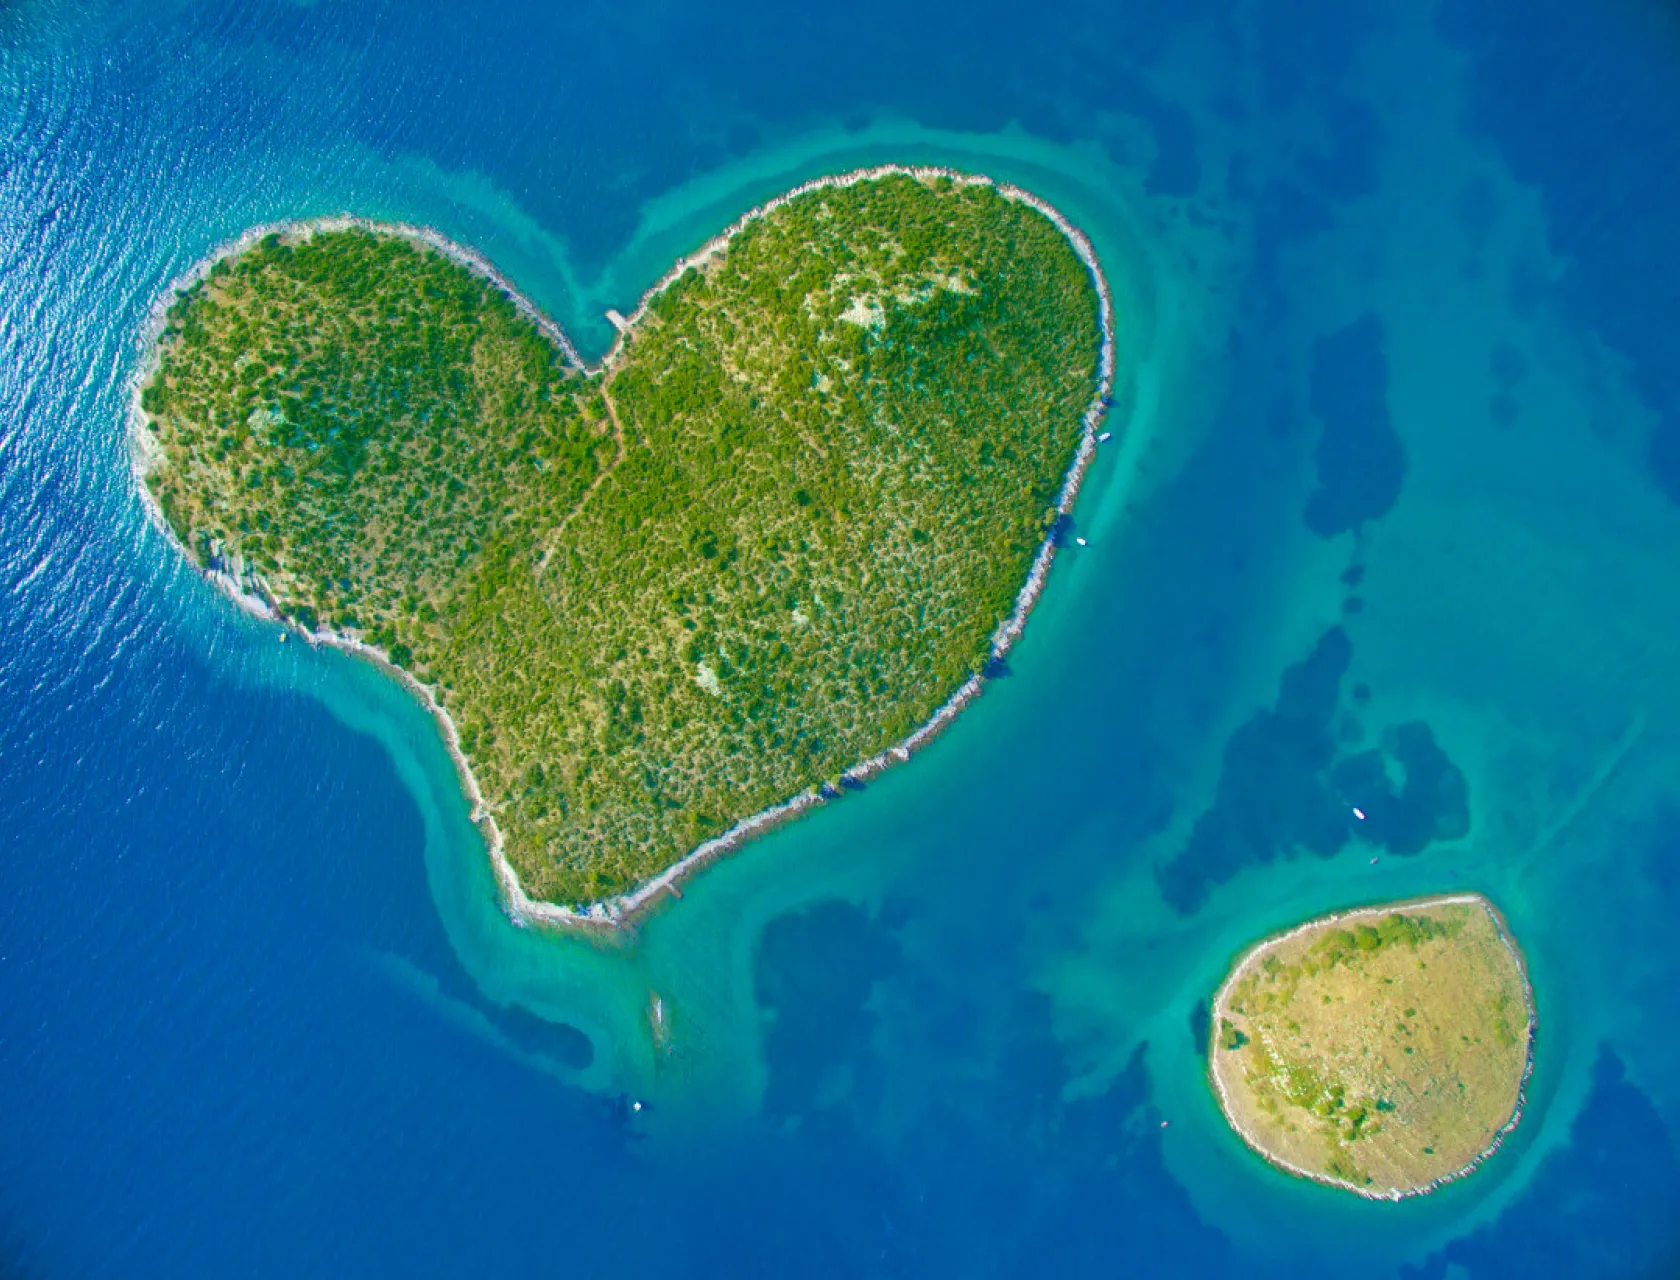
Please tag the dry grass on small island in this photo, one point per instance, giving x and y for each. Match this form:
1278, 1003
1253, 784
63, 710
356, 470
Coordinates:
1382, 1049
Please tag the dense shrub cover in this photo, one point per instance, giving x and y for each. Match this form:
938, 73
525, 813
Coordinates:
766, 542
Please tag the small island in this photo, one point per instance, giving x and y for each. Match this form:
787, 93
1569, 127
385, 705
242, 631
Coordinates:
767, 547
1383, 1050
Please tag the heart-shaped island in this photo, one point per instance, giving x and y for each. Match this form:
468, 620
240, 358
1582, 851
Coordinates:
767, 547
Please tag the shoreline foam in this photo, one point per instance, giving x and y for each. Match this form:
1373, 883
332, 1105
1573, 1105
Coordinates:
623, 909
1251, 956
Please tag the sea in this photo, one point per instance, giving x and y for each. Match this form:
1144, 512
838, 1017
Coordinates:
1390, 517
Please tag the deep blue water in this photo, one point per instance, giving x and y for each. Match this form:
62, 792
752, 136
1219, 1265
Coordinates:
1394, 518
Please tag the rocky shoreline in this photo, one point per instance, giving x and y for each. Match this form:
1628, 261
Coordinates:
248, 591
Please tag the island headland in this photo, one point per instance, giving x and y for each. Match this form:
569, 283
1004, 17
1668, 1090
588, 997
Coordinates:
1383, 1051
767, 548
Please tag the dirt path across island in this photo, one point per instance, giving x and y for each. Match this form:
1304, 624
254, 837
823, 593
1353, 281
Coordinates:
596, 483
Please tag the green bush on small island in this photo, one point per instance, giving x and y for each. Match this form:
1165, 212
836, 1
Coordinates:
1382, 1052
774, 536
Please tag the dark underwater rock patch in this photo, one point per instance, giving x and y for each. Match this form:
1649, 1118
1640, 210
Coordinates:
1286, 785
1598, 134
1431, 801
1361, 462
813, 977
560, 1041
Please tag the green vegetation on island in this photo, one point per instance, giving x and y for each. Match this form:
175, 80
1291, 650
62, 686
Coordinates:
768, 540
1383, 1050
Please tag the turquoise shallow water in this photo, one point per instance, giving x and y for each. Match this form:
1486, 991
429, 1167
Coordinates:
1394, 450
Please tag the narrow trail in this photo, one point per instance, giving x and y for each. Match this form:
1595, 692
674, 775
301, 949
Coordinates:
596, 483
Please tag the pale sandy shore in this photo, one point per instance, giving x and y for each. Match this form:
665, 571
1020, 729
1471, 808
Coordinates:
1252, 956
622, 910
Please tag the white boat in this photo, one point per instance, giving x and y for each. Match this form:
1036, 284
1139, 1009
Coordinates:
1080, 541
1103, 438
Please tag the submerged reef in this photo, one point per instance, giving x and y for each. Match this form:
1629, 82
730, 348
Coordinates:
1431, 802
1361, 462
917, 1086
1286, 785
1607, 204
